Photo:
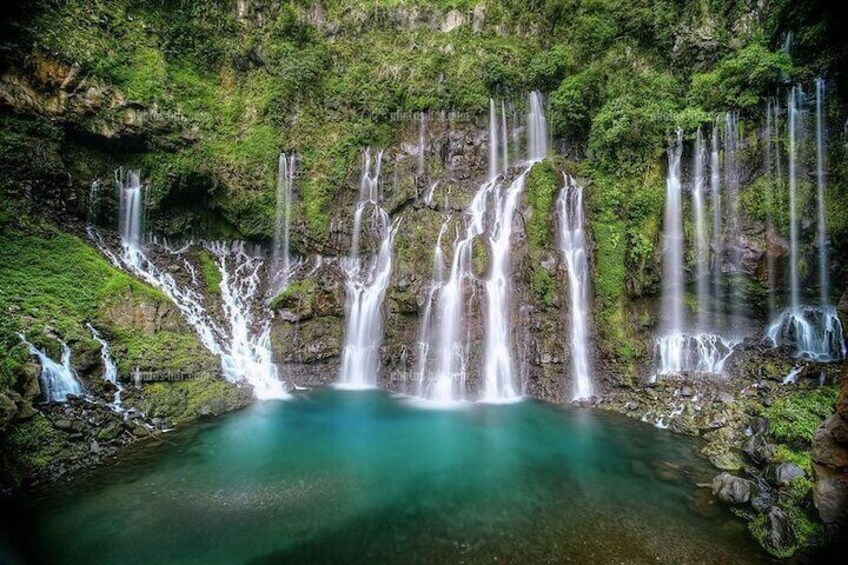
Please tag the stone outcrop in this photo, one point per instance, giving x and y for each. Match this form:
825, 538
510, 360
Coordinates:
830, 464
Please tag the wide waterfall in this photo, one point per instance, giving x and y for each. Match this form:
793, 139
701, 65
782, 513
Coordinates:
110, 371
366, 282
57, 379
282, 225
814, 331
573, 243
444, 345
244, 351
676, 351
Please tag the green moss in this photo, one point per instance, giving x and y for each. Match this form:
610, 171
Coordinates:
794, 418
298, 292
210, 272
540, 190
32, 445
543, 285
186, 400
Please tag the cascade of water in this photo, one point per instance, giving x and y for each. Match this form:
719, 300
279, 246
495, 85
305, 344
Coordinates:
282, 224
732, 143
57, 379
702, 250
573, 244
493, 141
110, 371
445, 341
504, 142
795, 97
366, 283
93, 202
718, 242
498, 369
814, 331
675, 351
245, 355
672, 292
821, 228
537, 129
131, 219
770, 137
440, 390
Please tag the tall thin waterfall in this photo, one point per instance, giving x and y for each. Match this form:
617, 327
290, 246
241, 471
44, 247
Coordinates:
796, 97
773, 172
504, 139
702, 249
110, 371
131, 219
282, 223
444, 388
443, 369
493, 141
366, 283
57, 379
537, 129
815, 331
821, 228
244, 352
672, 295
498, 368
573, 244
718, 242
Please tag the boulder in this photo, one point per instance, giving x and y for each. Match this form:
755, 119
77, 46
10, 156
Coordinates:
733, 490
784, 473
778, 531
759, 449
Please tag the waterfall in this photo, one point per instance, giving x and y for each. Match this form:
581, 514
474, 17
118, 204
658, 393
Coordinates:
814, 331
493, 141
110, 371
675, 351
718, 247
504, 142
57, 379
131, 218
772, 135
282, 223
573, 244
422, 141
821, 228
537, 129
489, 217
702, 250
672, 292
245, 353
795, 97
498, 369
439, 390
366, 283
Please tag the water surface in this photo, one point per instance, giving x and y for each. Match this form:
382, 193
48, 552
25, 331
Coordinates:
361, 477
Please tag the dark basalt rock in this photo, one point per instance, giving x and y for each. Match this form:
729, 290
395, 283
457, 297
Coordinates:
759, 449
784, 473
733, 490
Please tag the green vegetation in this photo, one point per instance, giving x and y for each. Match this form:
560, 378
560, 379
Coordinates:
187, 400
540, 192
793, 418
211, 273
